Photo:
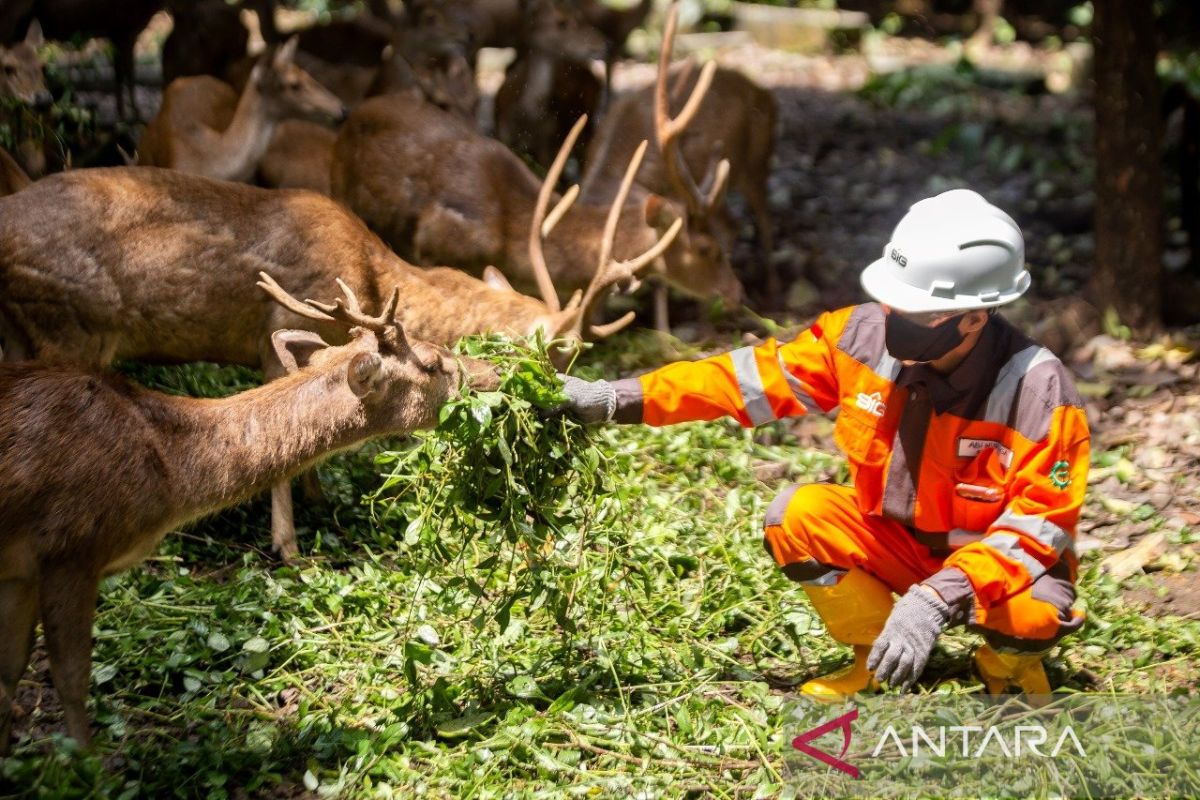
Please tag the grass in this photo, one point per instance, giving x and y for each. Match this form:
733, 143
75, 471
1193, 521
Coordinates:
368, 672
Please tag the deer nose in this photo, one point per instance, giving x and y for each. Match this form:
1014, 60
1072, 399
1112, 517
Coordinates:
42, 99
342, 114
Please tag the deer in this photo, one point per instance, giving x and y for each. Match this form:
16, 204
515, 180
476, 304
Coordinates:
21, 75
206, 129
147, 463
550, 84
428, 59
24, 95
120, 23
12, 177
614, 25
207, 38
299, 156
441, 193
726, 119
142, 263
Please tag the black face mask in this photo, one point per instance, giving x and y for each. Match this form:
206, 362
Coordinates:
908, 341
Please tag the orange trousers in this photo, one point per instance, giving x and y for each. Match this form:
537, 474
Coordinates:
816, 533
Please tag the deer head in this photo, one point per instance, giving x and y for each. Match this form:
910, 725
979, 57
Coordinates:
289, 91
21, 75
703, 255
401, 382
559, 28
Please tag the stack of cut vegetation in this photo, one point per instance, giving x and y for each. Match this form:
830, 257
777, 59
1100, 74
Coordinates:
498, 500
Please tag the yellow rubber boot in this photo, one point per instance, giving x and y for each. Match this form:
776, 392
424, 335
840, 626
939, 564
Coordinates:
854, 611
1001, 670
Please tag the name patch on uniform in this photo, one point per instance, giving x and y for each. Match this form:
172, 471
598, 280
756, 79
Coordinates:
969, 448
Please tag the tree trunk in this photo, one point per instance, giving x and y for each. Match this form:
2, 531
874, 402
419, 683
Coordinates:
1128, 273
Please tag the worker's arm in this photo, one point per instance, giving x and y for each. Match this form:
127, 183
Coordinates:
754, 385
1037, 526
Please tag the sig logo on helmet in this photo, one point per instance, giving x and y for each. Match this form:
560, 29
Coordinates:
899, 257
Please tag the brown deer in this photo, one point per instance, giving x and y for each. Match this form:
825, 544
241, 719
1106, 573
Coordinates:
12, 177
23, 95
207, 38
732, 120
441, 193
146, 463
428, 59
550, 84
21, 76
120, 23
615, 25
143, 263
205, 128
299, 156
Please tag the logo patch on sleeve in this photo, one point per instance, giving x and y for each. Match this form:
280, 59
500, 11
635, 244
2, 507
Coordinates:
1060, 474
969, 448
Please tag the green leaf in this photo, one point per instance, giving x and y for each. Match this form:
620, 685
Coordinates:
462, 726
525, 687
256, 644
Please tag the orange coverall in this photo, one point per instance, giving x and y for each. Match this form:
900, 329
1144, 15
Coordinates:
970, 482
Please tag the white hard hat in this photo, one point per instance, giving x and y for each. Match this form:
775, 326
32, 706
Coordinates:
955, 251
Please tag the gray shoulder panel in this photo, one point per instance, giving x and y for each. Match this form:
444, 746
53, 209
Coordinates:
863, 340
1028, 390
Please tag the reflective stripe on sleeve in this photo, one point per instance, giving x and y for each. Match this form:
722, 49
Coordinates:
1004, 392
802, 396
1039, 528
959, 537
754, 396
888, 367
1009, 545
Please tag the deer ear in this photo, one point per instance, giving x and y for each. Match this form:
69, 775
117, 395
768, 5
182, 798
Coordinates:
286, 53
655, 209
363, 373
295, 349
33, 36
495, 278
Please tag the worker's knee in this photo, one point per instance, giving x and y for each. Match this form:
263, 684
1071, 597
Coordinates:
789, 528
1036, 619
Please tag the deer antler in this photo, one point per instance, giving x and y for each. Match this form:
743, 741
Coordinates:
542, 224
610, 271
347, 310
668, 130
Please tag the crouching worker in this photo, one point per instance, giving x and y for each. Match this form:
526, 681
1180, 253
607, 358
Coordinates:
967, 445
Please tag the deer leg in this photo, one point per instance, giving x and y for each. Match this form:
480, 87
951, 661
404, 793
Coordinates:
760, 208
68, 604
662, 322
283, 524
283, 521
123, 73
18, 615
310, 484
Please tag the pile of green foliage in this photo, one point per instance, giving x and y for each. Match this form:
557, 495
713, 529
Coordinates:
498, 501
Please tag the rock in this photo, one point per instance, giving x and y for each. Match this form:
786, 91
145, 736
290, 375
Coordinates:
1127, 562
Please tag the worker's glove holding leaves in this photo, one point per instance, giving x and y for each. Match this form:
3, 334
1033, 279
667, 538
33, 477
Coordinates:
900, 653
591, 401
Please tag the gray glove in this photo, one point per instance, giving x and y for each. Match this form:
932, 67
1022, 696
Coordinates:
902, 650
591, 401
